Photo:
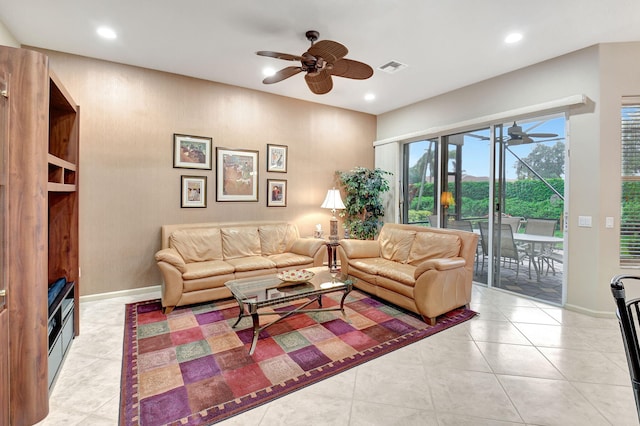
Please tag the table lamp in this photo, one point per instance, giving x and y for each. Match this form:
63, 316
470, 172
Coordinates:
333, 202
447, 200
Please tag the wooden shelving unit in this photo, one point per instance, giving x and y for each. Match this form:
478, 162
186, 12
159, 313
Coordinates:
41, 231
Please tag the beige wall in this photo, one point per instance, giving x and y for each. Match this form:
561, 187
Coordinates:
129, 188
6, 38
603, 73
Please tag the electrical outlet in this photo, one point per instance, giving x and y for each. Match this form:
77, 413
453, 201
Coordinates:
608, 222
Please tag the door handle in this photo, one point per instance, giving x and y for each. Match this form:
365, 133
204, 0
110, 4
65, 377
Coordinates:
3, 293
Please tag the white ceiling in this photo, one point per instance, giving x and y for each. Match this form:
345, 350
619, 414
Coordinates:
446, 44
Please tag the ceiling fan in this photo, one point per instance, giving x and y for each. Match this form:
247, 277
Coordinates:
518, 137
322, 60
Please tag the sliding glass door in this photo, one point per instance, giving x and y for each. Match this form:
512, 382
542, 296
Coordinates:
528, 234
505, 183
468, 177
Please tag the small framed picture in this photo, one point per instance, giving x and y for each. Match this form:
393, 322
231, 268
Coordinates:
191, 152
236, 175
277, 158
276, 193
193, 191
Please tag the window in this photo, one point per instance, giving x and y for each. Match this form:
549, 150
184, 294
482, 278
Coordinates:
630, 195
420, 181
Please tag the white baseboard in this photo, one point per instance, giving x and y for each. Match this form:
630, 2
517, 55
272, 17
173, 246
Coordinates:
120, 293
590, 312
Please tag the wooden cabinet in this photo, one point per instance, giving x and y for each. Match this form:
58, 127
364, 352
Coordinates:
39, 211
4, 314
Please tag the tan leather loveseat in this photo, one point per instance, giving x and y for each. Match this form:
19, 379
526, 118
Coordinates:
197, 259
425, 270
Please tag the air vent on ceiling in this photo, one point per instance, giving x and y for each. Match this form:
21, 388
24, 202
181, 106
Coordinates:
392, 67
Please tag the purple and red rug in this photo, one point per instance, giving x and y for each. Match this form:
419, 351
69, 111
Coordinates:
191, 368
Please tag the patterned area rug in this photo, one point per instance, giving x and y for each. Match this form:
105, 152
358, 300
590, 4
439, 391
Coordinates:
191, 368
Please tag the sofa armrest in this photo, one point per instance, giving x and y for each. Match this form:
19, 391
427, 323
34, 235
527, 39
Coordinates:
355, 249
307, 246
439, 265
172, 257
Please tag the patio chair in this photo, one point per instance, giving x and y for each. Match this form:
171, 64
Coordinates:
547, 253
509, 251
514, 221
461, 225
465, 225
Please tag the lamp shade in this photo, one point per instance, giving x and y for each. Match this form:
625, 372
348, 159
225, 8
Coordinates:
446, 199
332, 200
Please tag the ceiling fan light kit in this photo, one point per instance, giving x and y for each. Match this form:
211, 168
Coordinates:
322, 60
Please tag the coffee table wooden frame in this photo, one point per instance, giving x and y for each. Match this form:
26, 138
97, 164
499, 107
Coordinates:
259, 292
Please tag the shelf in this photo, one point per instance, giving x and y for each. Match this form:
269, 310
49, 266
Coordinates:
60, 187
64, 293
62, 175
53, 160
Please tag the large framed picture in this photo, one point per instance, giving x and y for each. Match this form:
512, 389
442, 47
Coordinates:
193, 191
191, 152
276, 193
277, 158
236, 175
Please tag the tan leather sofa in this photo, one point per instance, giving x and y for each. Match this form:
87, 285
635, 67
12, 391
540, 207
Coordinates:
425, 270
197, 259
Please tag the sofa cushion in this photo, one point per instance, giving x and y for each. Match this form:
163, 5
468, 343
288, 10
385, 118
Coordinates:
206, 269
251, 263
197, 244
242, 241
432, 245
395, 244
286, 260
277, 238
306, 246
370, 265
402, 273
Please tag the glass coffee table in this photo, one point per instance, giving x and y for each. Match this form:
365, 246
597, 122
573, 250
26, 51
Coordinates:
255, 293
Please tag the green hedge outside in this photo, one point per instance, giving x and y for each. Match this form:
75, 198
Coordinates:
526, 198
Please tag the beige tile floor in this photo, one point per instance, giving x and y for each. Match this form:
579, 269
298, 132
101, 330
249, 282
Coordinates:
519, 362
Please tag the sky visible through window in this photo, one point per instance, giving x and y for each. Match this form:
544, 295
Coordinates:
475, 160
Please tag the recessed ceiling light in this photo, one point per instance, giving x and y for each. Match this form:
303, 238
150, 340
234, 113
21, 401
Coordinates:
268, 72
513, 38
106, 32
369, 97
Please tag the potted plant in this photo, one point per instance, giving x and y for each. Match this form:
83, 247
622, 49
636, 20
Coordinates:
363, 189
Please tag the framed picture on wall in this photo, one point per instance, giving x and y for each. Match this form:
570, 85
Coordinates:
193, 191
236, 175
277, 158
276, 193
191, 152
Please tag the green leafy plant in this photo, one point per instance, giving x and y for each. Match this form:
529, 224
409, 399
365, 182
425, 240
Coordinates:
363, 189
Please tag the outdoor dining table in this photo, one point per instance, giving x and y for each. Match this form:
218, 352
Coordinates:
532, 240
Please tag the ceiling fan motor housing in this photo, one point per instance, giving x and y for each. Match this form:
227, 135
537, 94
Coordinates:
312, 36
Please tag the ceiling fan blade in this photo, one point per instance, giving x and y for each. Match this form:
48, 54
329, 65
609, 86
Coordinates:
320, 82
278, 55
330, 51
542, 135
349, 68
282, 74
